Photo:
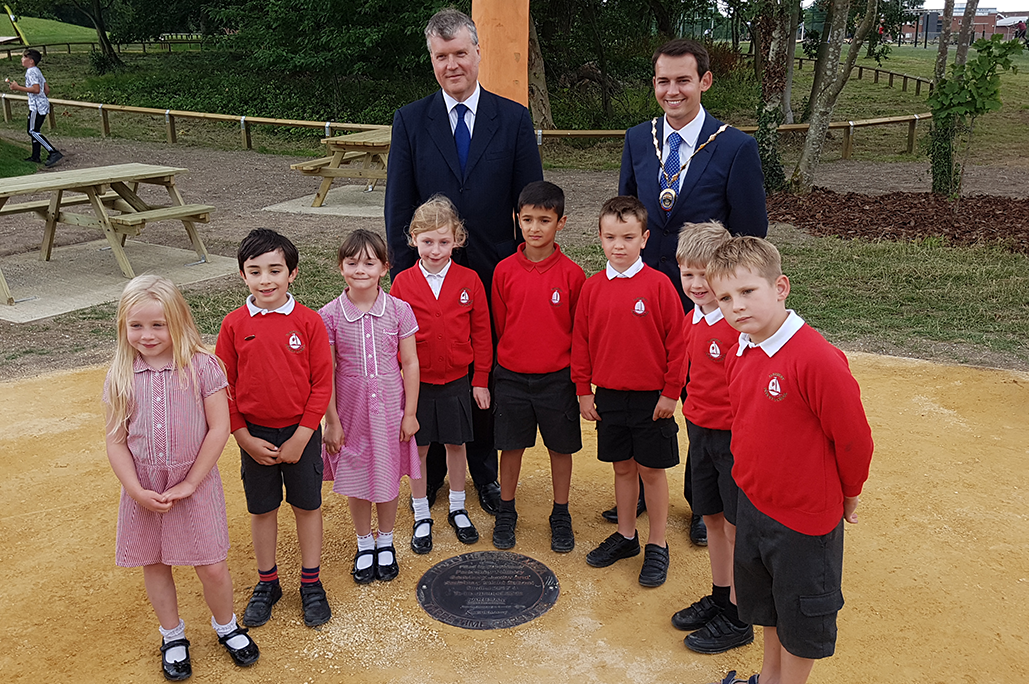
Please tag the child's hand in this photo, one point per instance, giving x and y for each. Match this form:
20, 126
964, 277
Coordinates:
481, 397
408, 428
291, 450
665, 408
850, 504
182, 490
262, 451
332, 436
152, 501
587, 409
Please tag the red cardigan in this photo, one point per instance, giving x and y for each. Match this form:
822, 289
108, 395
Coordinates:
628, 334
800, 439
454, 330
707, 392
533, 311
279, 367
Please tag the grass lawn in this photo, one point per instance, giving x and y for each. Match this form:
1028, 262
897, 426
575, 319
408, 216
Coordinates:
44, 31
11, 156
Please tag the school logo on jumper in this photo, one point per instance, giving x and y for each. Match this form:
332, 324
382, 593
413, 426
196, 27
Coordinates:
295, 343
774, 390
466, 297
555, 297
640, 307
714, 350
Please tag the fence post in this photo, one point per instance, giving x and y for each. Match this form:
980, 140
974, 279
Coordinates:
904, 87
169, 125
143, 45
245, 131
51, 120
918, 86
105, 124
861, 72
44, 50
800, 64
876, 79
911, 134
848, 140
891, 79
7, 108
69, 48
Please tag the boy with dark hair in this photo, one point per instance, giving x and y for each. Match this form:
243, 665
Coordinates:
279, 366
535, 292
37, 89
802, 447
631, 311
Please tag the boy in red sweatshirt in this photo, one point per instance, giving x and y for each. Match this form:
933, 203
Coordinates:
802, 447
627, 341
277, 359
535, 292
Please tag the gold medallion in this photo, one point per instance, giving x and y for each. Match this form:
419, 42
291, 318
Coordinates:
666, 199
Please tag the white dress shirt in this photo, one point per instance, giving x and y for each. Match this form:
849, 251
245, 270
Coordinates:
469, 117
689, 134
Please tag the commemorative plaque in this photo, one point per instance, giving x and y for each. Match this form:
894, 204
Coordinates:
487, 590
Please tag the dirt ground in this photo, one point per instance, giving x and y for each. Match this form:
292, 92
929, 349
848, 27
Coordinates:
936, 578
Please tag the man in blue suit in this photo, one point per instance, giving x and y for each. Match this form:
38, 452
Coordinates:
689, 167
479, 150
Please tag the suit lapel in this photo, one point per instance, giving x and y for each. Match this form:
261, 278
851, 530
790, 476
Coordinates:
438, 125
485, 128
700, 161
652, 172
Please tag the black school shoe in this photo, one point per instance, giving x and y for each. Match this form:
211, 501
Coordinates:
245, 656
53, 158
489, 497
719, 635
562, 538
697, 614
465, 535
614, 548
698, 530
259, 610
316, 605
176, 672
367, 575
386, 573
421, 545
655, 566
504, 529
611, 514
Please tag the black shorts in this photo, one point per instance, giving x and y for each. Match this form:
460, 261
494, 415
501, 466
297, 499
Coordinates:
710, 459
788, 580
303, 479
627, 429
445, 413
524, 401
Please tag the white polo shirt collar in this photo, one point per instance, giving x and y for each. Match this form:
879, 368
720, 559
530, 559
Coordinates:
286, 309
710, 318
435, 280
629, 272
778, 340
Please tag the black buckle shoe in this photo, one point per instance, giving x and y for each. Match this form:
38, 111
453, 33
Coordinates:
176, 672
719, 635
655, 566
611, 514
614, 548
698, 530
465, 535
259, 610
367, 575
562, 538
244, 656
489, 497
504, 529
421, 545
386, 573
697, 614
316, 605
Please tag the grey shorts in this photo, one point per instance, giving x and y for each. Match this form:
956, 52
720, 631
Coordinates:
788, 580
710, 459
263, 484
525, 401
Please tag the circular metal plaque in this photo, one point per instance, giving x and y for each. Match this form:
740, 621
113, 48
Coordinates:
488, 590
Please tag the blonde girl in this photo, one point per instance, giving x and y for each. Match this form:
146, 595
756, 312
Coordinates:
167, 424
450, 304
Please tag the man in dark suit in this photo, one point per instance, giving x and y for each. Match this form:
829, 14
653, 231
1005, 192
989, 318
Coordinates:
479, 150
688, 166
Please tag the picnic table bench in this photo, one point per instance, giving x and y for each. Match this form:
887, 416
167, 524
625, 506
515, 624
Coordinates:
104, 189
357, 155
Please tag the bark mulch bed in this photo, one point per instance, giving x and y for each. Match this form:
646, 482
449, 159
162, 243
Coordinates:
978, 219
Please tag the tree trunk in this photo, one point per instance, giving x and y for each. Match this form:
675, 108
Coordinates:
598, 41
967, 35
662, 18
834, 78
942, 52
787, 96
775, 27
821, 59
95, 12
758, 41
539, 97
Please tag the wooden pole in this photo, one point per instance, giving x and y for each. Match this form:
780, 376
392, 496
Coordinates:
503, 29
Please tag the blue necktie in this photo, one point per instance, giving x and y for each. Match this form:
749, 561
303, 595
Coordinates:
463, 137
672, 163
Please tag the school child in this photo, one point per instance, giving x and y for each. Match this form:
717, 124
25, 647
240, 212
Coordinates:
371, 419
627, 341
535, 292
37, 89
279, 366
801, 446
708, 415
167, 424
450, 306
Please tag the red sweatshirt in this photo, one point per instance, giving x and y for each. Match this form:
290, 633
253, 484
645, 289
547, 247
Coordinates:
800, 439
279, 367
533, 311
453, 331
707, 392
628, 334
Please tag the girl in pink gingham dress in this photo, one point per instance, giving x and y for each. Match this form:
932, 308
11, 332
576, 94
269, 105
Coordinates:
167, 424
371, 418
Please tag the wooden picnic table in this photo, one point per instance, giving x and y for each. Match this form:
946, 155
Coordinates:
103, 188
357, 155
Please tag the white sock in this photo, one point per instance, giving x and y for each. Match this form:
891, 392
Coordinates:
385, 539
421, 512
177, 654
238, 641
457, 504
365, 543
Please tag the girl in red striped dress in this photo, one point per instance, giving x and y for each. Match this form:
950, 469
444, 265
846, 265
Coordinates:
167, 424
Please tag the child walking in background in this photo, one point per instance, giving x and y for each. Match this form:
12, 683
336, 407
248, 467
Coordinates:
167, 424
37, 89
371, 418
449, 302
